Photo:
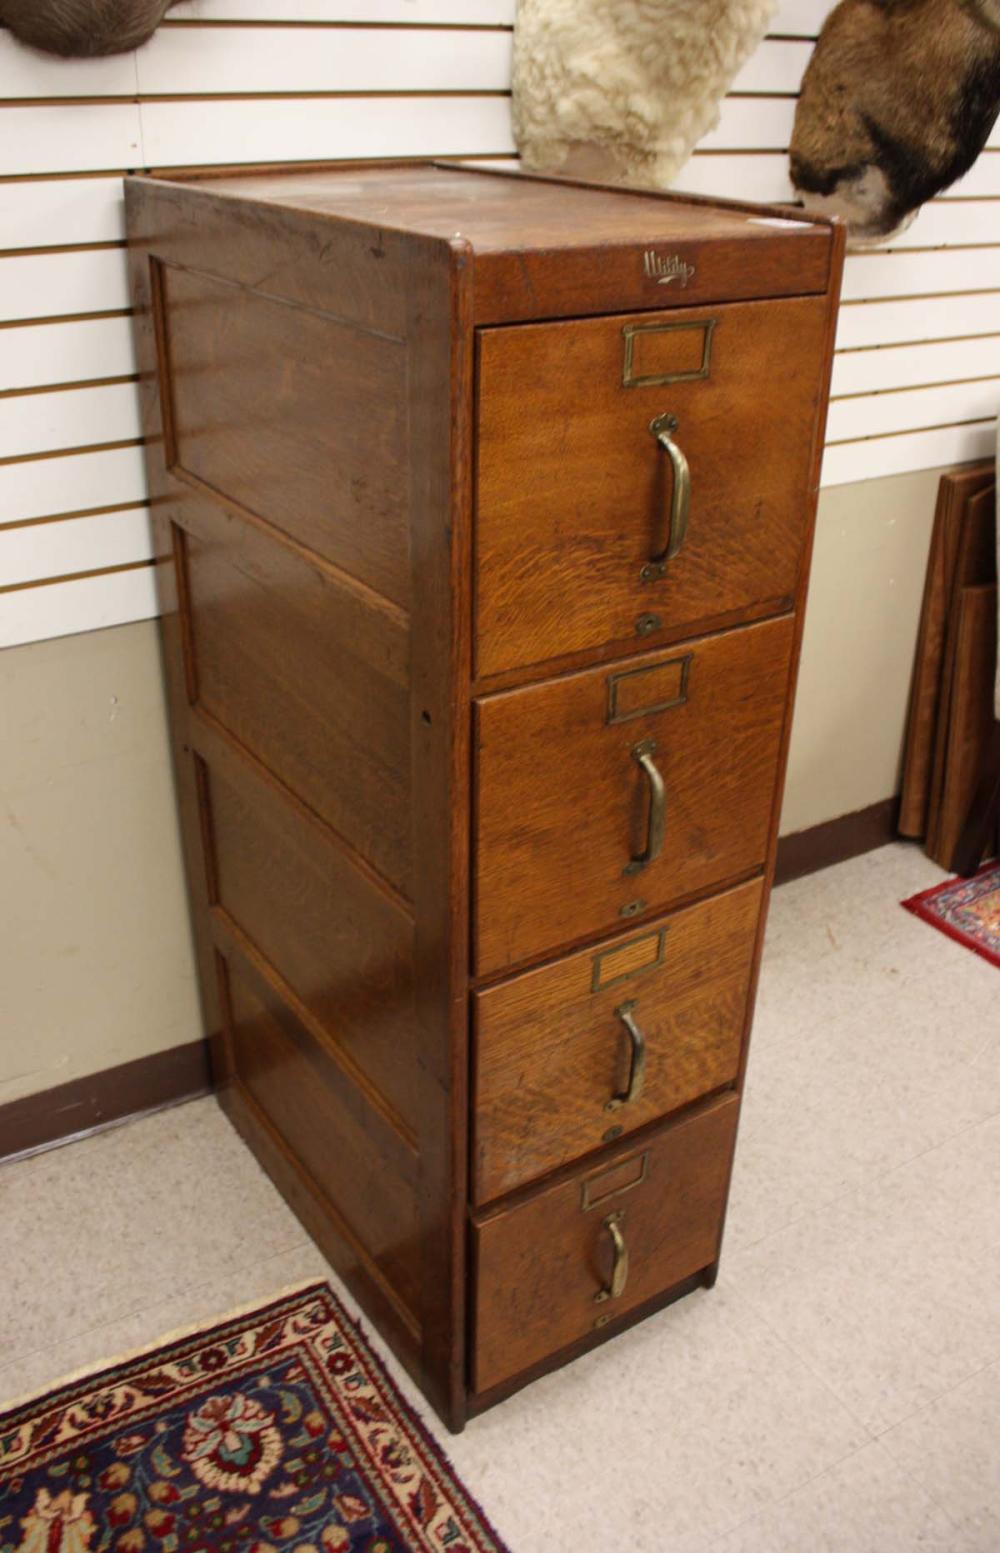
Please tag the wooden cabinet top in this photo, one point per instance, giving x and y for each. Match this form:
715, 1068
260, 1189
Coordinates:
541, 247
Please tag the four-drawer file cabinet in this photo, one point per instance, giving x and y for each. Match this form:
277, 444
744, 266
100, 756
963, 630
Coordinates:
483, 509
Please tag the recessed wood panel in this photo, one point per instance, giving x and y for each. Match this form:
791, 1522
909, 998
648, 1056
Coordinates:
541, 1264
309, 675
294, 415
574, 491
359, 1164
564, 805
552, 1052
340, 944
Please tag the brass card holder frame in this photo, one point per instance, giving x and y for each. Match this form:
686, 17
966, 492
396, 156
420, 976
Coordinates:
658, 937
630, 677
587, 1202
631, 332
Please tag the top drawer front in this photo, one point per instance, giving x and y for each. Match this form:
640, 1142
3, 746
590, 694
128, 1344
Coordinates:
575, 493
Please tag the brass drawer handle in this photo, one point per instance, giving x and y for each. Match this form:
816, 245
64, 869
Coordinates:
663, 429
637, 1065
643, 753
619, 1267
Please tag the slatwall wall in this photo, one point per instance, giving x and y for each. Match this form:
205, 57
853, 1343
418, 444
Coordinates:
917, 377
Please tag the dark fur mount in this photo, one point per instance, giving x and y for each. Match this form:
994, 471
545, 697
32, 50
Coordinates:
898, 100
83, 28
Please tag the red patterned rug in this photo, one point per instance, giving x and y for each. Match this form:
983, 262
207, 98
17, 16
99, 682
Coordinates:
277, 1431
968, 910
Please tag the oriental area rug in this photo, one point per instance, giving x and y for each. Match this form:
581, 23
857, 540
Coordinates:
968, 910
275, 1431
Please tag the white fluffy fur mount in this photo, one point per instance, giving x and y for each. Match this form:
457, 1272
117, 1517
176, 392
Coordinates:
622, 90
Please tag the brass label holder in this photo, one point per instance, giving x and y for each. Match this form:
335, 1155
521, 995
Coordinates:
605, 959
635, 335
632, 679
591, 1195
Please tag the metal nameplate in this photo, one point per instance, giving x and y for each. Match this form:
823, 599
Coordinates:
654, 688
623, 962
614, 1181
658, 353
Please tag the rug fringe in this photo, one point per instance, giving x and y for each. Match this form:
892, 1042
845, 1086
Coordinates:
178, 1335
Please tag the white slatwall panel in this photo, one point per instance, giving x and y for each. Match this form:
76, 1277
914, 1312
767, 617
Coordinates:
61, 210
846, 462
483, 13
41, 285
76, 545
869, 325
75, 482
77, 417
916, 378
323, 128
81, 138
321, 59
27, 75
85, 604
76, 352
873, 415
889, 367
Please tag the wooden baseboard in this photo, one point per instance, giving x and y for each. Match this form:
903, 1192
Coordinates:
836, 840
86, 1105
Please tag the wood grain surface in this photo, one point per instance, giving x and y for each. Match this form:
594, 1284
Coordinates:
357, 805
954, 491
294, 664
295, 415
319, 747
284, 883
551, 1052
563, 804
573, 488
540, 1263
369, 1175
975, 563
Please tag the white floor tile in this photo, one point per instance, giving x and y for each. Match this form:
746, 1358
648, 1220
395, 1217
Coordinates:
102, 1228
865, 1504
953, 1446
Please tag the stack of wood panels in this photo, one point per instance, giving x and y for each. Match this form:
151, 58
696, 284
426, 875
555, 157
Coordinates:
951, 705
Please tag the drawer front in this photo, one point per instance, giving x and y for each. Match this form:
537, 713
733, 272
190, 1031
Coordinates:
602, 1042
577, 499
545, 1269
568, 779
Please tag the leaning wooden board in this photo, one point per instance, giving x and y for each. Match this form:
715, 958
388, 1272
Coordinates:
483, 510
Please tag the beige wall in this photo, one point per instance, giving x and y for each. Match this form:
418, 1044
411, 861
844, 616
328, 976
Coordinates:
867, 582
95, 959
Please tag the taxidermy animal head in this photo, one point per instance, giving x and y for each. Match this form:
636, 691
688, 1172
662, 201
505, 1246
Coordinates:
897, 102
622, 90
83, 27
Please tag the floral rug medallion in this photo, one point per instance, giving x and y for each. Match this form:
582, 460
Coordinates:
277, 1431
968, 910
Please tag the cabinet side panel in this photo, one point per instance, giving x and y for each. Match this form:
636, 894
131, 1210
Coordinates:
296, 416
309, 676
369, 1177
280, 885
309, 777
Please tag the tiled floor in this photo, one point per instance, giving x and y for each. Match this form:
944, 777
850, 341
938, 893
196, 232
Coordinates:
838, 1390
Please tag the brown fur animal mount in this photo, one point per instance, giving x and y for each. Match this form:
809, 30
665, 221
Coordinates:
83, 28
897, 102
